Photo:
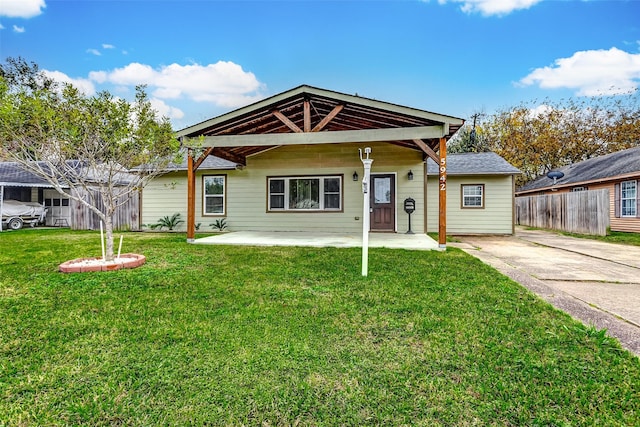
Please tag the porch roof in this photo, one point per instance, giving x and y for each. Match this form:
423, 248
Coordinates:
309, 115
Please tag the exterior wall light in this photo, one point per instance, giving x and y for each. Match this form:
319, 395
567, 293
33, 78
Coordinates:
355, 176
410, 175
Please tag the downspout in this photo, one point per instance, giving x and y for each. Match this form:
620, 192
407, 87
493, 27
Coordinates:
191, 198
425, 195
513, 204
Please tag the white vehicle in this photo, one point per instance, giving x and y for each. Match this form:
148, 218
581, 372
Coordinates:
15, 214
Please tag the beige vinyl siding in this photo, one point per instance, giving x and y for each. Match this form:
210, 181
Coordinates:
495, 218
246, 192
165, 196
626, 224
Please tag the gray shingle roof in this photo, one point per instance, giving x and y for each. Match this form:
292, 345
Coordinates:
601, 168
474, 164
211, 162
11, 174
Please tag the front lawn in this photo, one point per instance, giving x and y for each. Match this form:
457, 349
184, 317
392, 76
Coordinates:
291, 336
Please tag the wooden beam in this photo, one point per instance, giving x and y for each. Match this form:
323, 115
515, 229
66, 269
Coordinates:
331, 137
307, 115
315, 92
426, 150
442, 199
202, 158
284, 119
328, 118
232, 157
191, 197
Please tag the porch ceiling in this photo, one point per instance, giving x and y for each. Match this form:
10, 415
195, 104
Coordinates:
307, 110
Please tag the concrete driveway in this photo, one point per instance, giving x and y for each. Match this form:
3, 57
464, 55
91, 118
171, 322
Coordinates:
597, 283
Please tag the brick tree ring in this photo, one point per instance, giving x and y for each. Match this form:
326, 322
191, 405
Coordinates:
84, 265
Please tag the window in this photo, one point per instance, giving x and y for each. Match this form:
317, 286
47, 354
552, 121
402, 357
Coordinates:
473, 196
309, 193
574, 189
629, 193
213, 194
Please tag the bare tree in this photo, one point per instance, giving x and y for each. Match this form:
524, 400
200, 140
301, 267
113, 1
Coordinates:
82, 143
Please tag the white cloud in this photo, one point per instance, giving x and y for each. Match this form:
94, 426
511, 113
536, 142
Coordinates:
98, 76
1, 27
84, 85
224, 84
95, 52
19, 30
590, 73
108, 46
21, 8
492, 7
166, 110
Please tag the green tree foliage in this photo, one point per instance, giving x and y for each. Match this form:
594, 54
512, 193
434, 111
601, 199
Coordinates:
470, 139
83, 143
538, 137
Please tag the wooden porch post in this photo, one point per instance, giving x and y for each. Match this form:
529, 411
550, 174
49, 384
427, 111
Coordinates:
442, 200
191, 198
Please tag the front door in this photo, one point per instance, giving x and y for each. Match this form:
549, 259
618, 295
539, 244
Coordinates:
383, 203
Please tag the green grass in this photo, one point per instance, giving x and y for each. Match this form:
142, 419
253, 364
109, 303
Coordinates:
210, 335
613, 237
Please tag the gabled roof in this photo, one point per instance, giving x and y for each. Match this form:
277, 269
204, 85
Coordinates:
474, 164
309, 112
618, 165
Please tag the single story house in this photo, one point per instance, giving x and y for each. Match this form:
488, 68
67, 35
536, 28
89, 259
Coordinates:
617, 172
291, 162
480, 194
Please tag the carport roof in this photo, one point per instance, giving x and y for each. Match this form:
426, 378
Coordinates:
12, 175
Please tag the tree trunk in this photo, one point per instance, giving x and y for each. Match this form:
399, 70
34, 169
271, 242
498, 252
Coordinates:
109, 237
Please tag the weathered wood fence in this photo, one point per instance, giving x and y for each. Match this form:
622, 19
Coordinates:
582, 212
127, 217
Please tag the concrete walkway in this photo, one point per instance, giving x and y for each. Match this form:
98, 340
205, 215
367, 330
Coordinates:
595, 282
320, 240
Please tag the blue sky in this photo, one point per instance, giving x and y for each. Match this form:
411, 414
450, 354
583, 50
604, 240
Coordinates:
201, 58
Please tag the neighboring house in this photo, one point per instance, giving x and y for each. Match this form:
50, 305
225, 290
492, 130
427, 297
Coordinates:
480, 194
24, 186
18, 184
617, 172
291, 163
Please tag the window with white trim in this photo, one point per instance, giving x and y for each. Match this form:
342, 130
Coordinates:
628, 196
473, 196
305, 193
214, 194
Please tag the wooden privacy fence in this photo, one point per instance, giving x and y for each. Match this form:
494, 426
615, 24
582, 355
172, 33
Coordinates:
126, 217
582, 212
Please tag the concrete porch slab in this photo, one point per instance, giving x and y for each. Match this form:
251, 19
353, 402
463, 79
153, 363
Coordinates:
420, 242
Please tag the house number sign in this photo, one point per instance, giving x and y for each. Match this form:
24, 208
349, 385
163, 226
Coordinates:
443, 174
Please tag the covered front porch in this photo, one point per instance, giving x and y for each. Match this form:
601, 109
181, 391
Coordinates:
420, 242
310, 137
